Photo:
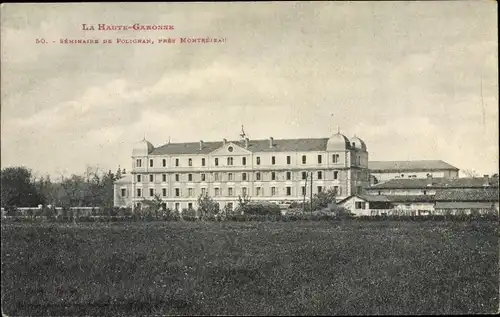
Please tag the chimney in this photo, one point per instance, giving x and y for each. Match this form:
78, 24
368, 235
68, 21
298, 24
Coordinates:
246, 143
201, 144
271, 139
224, 141
486, 180
429, 179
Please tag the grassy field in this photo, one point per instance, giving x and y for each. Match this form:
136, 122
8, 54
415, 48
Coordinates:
298, 268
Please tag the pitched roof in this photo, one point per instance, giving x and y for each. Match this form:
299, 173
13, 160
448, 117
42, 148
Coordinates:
469, 194
414, 183
409, 166
127, 179
280, 145
463, 205
410, 198
368, 198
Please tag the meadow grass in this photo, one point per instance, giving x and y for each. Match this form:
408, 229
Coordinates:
224, 268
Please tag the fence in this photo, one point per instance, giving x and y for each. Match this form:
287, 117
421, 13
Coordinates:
92, 214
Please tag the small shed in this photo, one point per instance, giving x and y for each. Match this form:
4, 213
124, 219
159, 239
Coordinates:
366, 205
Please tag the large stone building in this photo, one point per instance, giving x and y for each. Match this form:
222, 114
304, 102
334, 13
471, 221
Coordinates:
265, 170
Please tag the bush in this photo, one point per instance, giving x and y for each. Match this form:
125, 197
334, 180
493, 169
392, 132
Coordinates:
261, 209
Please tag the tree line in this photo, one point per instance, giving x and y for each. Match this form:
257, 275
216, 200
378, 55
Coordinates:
21, 188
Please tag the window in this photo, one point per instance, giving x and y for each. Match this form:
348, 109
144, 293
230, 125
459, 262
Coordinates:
257, 191
164, 177
177, 192
258, 160
288, 191
273, 191
190, 162
151, 178
176, 206
320, 175
273, 160
176, 162
304, 175
138, 163
360, 205
230, 176
190, 177
243, 191
216, 162
335, 175
273, 176
203, 177
124, 192
139, 192
230, 191
379, 192
176, 177
190, 205
303, 159
243, 161
217, 192
190, 192
243, 176
229, 161
151, 192
230, 206
203, 161
320, 158
150, 162
425, 192
288, 176
303, 190
138, 178
335, 158
320, 189
336, 190
203, 191
257, 176
288, 160
216, 176
164, 162
164, 192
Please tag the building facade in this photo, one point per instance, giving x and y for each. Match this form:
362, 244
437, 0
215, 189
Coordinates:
383, 171
422, 196
269, 170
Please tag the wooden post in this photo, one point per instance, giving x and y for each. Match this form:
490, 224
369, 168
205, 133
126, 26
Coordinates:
311, 193
305, 192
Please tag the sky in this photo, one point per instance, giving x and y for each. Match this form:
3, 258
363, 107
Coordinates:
414, 80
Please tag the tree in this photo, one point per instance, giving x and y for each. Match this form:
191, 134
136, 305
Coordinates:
470, 173
322, 200
73, 192
207, 206
153, 206
18, 188
243, 202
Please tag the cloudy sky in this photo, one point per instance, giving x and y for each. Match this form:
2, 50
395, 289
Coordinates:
403, 76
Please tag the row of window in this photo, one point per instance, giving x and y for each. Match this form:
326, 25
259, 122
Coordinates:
177, 206
244, 176
230, 161
259, 191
